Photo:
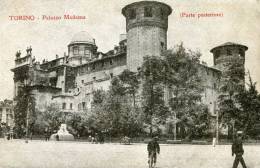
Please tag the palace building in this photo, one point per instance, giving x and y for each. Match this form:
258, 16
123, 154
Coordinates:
70, 80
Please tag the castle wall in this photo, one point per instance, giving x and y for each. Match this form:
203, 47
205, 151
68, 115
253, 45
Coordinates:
210, 82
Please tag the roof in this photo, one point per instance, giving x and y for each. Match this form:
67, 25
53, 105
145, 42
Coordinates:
229, 44
82, 37
156, 3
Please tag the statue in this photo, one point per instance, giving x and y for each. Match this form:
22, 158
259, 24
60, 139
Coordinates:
62, 135
18, 54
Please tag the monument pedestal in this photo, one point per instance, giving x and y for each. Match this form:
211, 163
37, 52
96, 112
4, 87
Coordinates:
62, 134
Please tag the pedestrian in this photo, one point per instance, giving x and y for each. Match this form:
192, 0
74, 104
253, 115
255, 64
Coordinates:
153, 149
237, 149
46, 134
57, 137
90, 138
214, 141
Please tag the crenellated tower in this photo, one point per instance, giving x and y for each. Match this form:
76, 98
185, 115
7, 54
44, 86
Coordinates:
146, 26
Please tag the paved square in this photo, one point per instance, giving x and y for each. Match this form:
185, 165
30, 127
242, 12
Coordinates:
41, 154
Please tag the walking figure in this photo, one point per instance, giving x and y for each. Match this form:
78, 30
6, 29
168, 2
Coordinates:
153, 148
237, 149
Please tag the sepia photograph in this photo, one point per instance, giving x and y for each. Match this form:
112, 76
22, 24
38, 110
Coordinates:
129, 83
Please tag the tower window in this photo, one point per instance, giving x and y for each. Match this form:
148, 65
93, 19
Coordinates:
241, 53
75, 50
132, 14
162, 46
148, 12
63, 105
161, 13
229, 52
217, 54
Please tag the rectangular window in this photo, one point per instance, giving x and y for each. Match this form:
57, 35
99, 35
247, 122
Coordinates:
83, 105
79, 106
76, 50
63, 105
162, 47
148, 12
87, 52
161, 13
111, 62
217, 54
241, 53
229, 52
132, 14
71, 106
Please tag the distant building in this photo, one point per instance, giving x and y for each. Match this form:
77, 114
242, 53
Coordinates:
7, 113
70, 80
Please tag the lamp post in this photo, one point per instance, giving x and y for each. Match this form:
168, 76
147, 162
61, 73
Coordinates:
29, 105
175, 126
217, 130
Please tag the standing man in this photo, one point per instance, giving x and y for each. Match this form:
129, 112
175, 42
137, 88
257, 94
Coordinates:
153, 148
237, 149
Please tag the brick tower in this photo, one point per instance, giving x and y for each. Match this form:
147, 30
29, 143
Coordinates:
146, 26
228, 54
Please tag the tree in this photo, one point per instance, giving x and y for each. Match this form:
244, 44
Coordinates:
24, 107
231, 85
249, 108
113, 112
131, 83
153, 104
51, 117
182, 77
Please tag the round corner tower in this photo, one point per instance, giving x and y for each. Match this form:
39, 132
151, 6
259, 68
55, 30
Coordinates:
146, 26
229, 54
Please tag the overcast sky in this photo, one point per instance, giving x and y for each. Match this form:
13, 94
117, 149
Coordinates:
240, 24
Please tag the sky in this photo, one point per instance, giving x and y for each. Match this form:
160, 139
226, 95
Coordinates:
104, 22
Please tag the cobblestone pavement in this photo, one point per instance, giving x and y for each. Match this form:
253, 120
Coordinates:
41, 154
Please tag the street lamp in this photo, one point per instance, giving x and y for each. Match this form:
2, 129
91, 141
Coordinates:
217, 129
29, 104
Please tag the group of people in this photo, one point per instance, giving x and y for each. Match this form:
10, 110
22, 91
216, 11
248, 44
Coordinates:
47, 134
98, 138
237, 149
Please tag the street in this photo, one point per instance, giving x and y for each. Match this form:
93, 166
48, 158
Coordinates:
41, 154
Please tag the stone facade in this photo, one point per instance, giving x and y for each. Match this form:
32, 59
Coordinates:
70, 80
